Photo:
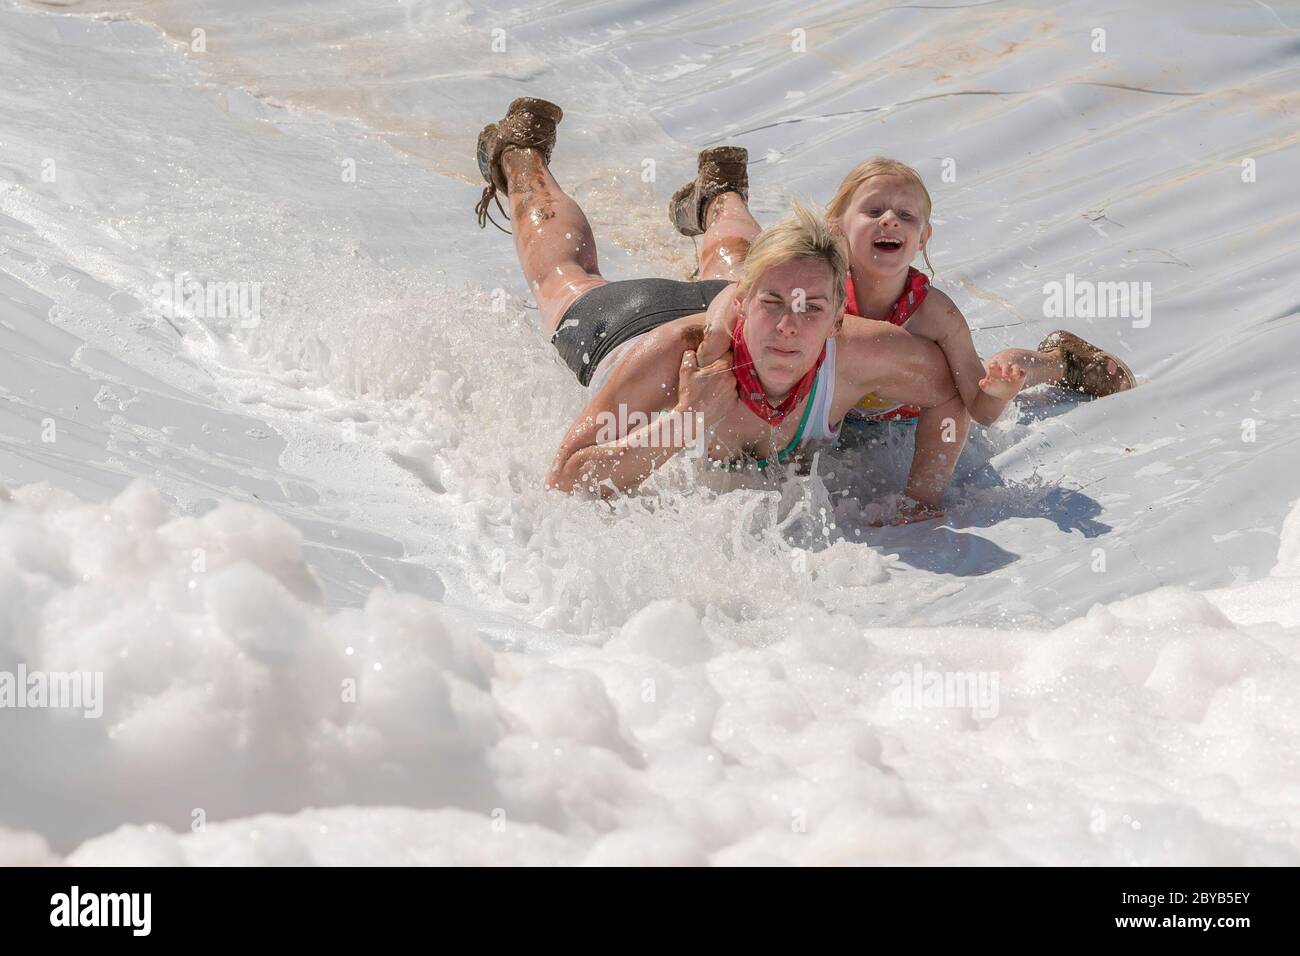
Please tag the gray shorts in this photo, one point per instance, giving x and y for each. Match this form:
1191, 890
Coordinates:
603, 318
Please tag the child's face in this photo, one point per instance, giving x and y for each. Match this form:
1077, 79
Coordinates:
885, 225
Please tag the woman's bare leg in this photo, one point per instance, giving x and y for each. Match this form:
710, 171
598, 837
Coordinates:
553, 239
729, 229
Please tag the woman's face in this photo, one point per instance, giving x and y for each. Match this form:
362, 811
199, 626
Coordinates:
885, 224
789, 314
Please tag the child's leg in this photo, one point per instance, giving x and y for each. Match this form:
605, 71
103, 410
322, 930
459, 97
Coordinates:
1041, 368
553, 239
729, 230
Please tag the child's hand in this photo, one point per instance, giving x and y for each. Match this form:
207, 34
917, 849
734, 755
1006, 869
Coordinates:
1003, 381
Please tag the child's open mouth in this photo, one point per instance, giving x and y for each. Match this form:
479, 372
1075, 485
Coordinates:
888, 244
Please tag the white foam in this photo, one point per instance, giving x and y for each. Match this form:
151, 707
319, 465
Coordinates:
231, 697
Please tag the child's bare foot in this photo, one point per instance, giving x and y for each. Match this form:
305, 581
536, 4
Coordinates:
1003, 381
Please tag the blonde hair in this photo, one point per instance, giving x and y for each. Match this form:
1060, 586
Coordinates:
803, 234
869, 169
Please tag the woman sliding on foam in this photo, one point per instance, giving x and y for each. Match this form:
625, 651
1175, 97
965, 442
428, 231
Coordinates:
883, 209
799, 365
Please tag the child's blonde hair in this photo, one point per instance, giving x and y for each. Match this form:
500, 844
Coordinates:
804, 234
869, 169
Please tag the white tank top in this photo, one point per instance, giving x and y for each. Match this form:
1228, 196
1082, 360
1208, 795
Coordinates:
819, 419
815, 425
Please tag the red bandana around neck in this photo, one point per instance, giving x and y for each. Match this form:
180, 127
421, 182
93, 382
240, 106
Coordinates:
914, 290
751, 389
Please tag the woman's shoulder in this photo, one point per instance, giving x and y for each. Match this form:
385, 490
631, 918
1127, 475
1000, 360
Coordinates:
679, 334
663, 347
652, 361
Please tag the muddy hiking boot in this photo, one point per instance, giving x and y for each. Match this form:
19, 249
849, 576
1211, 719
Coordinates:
529, 122
722, 169
1087, 368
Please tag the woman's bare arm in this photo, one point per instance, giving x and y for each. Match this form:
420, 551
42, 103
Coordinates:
659, 374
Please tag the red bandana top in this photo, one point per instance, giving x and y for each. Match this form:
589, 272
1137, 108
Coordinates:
914, 291
751, 389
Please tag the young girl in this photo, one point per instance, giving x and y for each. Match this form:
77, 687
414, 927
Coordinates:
883, 208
